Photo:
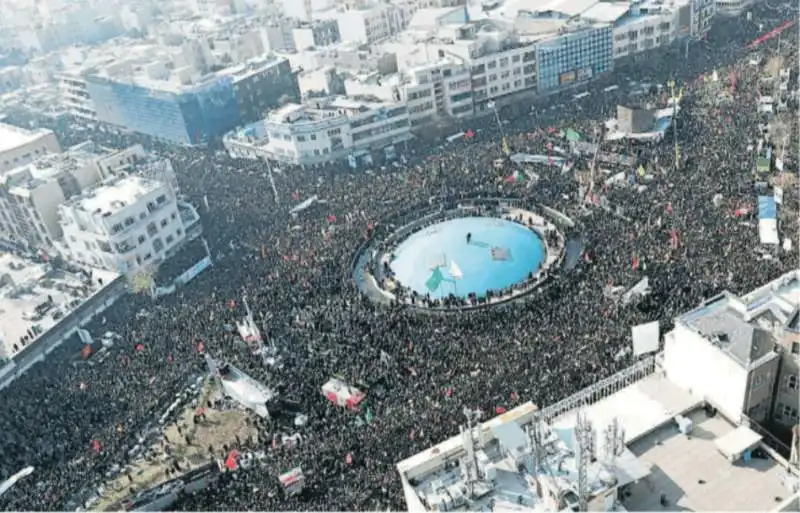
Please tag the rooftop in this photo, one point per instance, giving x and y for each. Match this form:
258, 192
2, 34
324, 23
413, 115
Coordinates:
744, 327
113, 196
13, 137
695, 476
26, 285
649, 437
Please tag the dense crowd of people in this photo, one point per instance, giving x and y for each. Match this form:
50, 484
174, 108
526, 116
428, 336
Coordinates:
73, 423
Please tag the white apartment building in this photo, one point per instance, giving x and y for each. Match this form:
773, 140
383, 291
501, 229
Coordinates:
500, 63
122, 224
367, 23
19, 146
322, 130
30, 194
440, 89
742, 353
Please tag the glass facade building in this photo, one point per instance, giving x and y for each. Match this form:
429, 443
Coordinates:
191, 116
574, 57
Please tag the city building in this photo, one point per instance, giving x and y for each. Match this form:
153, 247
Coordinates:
19, 146
261, 85
123, 224
180, 106
369, 22
30, 194
681, 429
315, 34
322, 130
305, 10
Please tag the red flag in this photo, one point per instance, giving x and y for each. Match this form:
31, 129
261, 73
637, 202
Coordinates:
200, 411
231, 304
139, 347
170, 359
635, 262
86, 351
448, 392
469, 134
97, 446
232, 461
669, 207
296, 196
551, 130
331, 218
286, 258
201, 347
514, 396
673, 238
349, 459
499, 410
549, 146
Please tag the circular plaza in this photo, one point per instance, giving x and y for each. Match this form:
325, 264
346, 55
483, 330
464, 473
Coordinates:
472, 254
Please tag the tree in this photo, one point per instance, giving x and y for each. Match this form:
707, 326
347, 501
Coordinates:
141, 281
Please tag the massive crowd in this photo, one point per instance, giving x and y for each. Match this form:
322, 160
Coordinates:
73, 423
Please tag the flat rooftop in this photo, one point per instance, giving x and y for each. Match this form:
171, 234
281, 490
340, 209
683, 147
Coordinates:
28, 287
696, 476
111, 197
13, 137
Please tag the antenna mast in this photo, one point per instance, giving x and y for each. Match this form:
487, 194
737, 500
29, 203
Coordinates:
584, 455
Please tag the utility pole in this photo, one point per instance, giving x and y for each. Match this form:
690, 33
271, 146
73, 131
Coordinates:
504, 141
671, 84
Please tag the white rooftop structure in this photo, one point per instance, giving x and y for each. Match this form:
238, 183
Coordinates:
109, 198
633, 442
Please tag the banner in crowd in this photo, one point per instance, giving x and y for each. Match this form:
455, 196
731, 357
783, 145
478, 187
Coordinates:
193, 271
768, 220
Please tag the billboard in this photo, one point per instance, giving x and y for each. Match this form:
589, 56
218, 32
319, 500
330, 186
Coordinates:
567, 78
585, 74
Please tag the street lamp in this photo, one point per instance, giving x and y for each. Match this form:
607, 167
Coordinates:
492, 105
671, 85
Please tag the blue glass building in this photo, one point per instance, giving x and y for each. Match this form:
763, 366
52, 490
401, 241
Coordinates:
574, 57
191, 115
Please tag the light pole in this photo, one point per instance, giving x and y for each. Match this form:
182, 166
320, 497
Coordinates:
492, 105
671, 85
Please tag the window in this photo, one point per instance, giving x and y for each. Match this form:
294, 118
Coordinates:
301, 138
504, 62
129, 221
164, 223
141, 239
161, 199
515, 58
491, 64
791, 382
795, 347
492, 78
787, 412
178, 232
316, 152
759, 381
173, 216
170, 239
147, 257
313, 137
152, 229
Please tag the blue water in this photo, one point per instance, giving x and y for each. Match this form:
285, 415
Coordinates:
446, 241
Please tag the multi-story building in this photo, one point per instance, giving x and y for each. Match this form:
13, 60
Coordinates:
123, 224
75, 96
305, 10
573, 57
19, 146
261, 85
322, 130
179, 106
367, 22
30, 194
752, 338
316, 34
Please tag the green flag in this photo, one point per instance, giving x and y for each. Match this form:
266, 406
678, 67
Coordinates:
572, 135
368, 415
435, 280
